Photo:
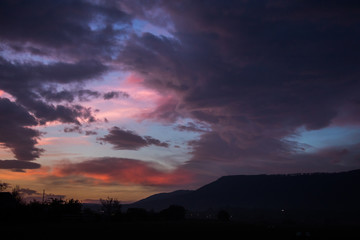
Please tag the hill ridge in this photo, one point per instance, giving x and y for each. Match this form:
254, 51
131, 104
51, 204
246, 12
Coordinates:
267, 191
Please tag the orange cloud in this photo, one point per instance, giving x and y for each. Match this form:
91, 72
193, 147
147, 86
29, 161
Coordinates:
29, 175
123, 171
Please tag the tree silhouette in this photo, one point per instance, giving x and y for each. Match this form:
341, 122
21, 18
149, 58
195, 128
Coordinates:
4, 186
111, 207
17, 195
72, 206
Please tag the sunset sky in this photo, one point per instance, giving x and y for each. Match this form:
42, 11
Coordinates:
130, 98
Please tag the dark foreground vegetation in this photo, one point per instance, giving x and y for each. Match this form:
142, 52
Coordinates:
185, 229
59, 219
264, 206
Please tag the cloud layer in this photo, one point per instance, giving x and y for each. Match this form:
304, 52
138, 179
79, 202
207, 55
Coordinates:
243, 75
49, 49
15, 131
255, 72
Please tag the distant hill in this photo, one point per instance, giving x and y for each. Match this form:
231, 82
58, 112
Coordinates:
302, 192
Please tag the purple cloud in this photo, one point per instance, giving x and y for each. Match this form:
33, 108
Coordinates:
255, 75
252, 72
128, 140
17, 165
15, 132
115, 94
62, 28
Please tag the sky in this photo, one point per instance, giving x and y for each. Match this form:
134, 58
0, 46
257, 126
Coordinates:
129, 98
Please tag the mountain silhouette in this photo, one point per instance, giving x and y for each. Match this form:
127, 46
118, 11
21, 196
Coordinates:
324, 192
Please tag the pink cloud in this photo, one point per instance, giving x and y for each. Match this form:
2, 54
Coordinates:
29, 175
134, 79
166, 110
82, 140
143, 102
123, 171
141, 99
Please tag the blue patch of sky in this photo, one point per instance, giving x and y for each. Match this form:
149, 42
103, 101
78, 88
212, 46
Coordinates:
141, 26
110, 78
327, 137
78, 147
177, 153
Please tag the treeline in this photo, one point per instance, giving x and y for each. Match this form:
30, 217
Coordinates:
14, 208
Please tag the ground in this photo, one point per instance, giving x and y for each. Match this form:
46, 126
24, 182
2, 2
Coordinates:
171, 229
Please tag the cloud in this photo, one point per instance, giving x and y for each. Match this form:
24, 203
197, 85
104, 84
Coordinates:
128, 140
25, 81
17, 165
32, 74
115, 94
123, 171
166, 111
49, 50
76, 28
254, 72
78, 129
192, 127
327, 159
15, 133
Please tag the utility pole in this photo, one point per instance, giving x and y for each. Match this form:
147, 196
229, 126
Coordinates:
43, 198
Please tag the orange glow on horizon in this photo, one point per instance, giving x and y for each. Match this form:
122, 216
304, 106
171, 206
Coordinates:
29, 174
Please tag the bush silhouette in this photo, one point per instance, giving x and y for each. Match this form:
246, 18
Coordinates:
136, 214
223, 216
174, 212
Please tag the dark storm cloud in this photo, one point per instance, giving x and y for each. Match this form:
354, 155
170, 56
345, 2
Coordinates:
74, 27
25, 82
14, 131
254, 71
85, 32
83, 95
128, 140
18, 166
53, 95
72, 42
66, 114
32, 74
255, 57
